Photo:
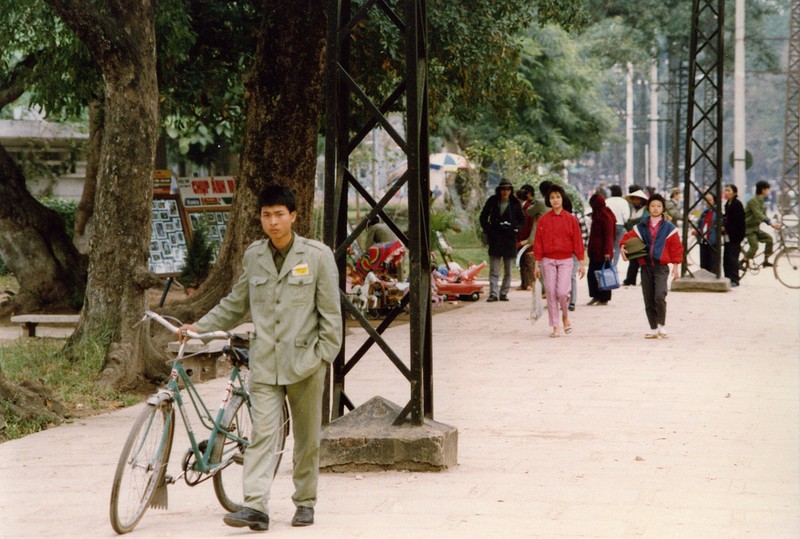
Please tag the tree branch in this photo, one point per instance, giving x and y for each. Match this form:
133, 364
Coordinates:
15, 82
100, 34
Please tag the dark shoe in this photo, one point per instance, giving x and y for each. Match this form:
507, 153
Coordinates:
571, 306
766, 264
503, 298
593, 301
491, 298
255, 520
304, 516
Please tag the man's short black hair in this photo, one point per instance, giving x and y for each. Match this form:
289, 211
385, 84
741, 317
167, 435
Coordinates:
761, 186
616, 191
277, 195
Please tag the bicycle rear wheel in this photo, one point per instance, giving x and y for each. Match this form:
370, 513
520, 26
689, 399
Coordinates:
142, 466
787, 267
229, 482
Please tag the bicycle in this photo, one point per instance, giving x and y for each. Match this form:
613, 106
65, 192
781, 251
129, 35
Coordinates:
141, 478
785, 262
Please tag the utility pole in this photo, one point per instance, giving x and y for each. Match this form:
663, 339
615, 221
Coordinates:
739, 155
628, 128
790, 183
653, 178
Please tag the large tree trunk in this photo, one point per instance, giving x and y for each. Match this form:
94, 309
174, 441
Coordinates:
284, 97
83, 215
36, 248
122, 40
33, 241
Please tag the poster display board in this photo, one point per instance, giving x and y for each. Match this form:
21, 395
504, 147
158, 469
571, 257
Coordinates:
206, 202
211, 192
168, 239
181, 207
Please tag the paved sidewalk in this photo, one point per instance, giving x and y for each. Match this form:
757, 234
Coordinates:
597, 434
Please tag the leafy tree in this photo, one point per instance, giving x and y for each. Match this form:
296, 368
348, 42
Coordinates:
561, 113
120, 36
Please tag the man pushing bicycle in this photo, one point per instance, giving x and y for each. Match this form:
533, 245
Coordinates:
290, 286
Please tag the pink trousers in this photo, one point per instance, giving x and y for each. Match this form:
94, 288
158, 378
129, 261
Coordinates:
558, 285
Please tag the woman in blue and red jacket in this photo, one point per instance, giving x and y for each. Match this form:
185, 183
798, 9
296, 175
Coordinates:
663, 248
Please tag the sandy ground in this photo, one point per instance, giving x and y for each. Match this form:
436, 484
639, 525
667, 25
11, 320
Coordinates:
597, 434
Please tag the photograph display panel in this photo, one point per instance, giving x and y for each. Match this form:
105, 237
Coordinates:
167, 241
215, 223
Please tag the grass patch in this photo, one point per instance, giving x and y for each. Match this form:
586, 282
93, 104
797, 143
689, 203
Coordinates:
8, 282
72, 383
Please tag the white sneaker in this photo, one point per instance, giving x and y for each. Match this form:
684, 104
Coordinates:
652, 334
662, 332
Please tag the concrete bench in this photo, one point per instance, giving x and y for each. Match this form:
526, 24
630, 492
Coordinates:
30, 321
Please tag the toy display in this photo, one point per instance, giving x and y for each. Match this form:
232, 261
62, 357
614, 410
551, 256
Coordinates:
457, 283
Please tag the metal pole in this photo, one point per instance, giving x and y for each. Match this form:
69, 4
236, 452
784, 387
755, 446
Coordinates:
739, 172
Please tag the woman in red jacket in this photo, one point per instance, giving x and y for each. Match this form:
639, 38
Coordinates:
664, 247
558, 237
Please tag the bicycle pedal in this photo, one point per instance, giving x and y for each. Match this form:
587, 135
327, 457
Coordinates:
169, 480
238, 458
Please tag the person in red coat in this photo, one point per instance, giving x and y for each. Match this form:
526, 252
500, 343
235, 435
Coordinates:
558, 237
602, 234
664, 247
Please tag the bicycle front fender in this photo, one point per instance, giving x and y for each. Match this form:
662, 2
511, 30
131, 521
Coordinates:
162, 397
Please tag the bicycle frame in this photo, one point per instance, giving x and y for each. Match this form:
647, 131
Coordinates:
172, 393
207, 420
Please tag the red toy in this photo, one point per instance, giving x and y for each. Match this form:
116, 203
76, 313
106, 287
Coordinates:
459, 283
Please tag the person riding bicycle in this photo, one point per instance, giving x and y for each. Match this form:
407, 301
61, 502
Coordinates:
290, 286
755, 213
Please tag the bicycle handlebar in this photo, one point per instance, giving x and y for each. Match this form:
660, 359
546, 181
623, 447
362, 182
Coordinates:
174, 329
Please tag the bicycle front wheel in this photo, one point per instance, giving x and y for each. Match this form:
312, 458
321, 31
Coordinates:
229, 481
787, 267
142, 466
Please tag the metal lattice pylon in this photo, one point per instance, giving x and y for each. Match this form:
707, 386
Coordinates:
351, 114
704, 121
790, 181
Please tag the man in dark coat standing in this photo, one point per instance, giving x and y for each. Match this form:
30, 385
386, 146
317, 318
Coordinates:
734, 228
501, 219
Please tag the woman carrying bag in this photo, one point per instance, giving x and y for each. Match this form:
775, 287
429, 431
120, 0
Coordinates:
601, 247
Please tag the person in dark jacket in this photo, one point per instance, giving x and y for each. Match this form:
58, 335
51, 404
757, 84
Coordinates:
733, 226
501, 219
707, 235
602, 236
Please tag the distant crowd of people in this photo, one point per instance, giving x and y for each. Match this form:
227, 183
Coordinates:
551, 242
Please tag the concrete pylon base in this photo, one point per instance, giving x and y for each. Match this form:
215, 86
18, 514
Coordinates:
365, 440
701, 281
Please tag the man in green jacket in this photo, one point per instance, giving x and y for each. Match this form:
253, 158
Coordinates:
290, 286
755, 213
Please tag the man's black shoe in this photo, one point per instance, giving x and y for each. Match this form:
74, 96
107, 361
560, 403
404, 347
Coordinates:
255, 520
491, 297
767, 264
503, 298
304, 516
